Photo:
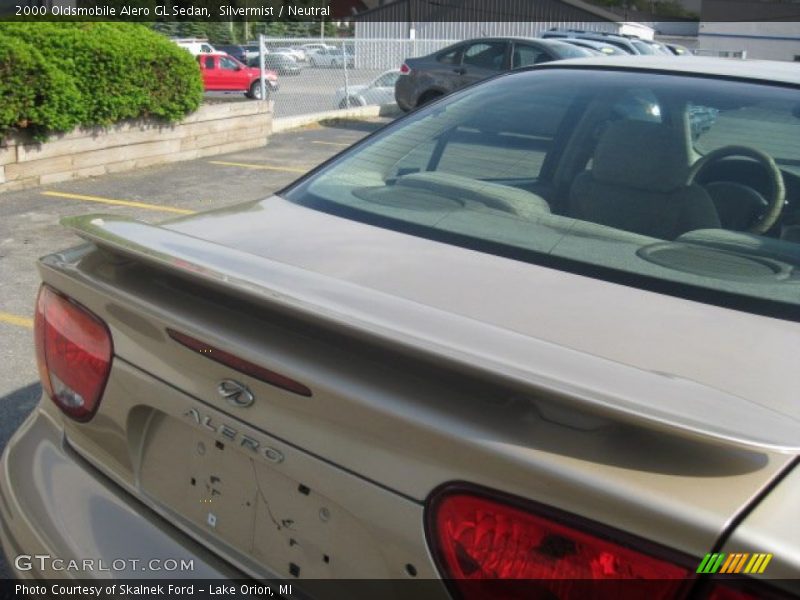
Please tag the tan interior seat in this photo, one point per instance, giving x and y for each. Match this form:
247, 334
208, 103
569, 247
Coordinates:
637, 182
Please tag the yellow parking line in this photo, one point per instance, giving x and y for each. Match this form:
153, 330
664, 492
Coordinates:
131, 203
332, 143
257, 166
16, 320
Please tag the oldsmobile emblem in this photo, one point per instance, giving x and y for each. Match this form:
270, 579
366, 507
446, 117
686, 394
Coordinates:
235, 393
235, 436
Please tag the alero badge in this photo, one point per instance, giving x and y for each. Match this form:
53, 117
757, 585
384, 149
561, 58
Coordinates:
235, 393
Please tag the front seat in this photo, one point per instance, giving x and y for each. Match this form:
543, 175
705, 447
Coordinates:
637, 182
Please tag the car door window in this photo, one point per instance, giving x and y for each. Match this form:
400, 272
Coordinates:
206, 48
209, 62
500, 144
525, 55
485, 55
227, 63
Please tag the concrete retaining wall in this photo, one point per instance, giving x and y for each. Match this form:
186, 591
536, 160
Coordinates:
213, 129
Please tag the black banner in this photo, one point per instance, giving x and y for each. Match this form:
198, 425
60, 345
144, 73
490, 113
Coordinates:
417, 589
276, 11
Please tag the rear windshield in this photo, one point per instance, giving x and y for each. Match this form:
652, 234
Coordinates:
689, 186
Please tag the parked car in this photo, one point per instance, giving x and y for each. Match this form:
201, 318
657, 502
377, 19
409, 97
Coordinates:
678, 50
252, 50
291, 52
602, 48
298, 53
331, 57
509, 336
378, 91
656, 47
624, 43
195, 45
315, 47
223, 73
282, 64
240, 53
429, 77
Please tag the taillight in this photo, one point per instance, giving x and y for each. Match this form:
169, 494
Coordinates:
405, 69
73, 351
480, 538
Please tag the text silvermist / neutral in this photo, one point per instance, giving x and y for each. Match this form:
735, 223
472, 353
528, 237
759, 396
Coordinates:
202, 12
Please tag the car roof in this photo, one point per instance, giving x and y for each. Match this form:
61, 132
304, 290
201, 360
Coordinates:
580, 34
756, 70
545, 42
510, 38
589, 43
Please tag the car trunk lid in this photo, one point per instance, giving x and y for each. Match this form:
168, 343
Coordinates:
405, 394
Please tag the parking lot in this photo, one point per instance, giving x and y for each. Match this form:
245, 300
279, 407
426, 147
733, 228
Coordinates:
312, 91
29, 226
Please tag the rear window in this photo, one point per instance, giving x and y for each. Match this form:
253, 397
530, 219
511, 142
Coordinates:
449, 57
485, 55
631, 177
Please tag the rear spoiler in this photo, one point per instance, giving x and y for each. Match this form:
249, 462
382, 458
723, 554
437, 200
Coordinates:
586, 383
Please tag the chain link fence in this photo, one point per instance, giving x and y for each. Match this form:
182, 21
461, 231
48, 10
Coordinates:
317, 75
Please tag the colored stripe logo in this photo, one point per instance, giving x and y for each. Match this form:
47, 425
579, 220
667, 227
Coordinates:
734, 562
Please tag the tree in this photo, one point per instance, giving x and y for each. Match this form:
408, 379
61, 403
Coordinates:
192, 29
168, 28
220, 32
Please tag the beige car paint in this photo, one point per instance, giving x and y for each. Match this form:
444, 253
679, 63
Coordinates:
390, 422
407, 429
721, 348
773, 527
86, 517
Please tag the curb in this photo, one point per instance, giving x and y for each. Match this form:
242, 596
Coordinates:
286, 123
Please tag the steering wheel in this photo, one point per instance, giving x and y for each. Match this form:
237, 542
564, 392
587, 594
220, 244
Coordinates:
777, 193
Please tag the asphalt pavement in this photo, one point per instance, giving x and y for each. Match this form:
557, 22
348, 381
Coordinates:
29, 227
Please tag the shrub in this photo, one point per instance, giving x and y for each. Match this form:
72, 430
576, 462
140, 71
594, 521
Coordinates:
34, 95
92, 73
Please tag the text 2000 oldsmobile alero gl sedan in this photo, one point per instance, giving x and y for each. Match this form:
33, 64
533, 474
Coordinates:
544, 329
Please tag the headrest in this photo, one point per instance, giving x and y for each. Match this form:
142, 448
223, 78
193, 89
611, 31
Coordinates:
642, 155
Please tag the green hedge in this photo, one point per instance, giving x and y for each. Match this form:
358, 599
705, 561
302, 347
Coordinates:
56, 76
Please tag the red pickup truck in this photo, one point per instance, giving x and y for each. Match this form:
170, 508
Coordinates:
223, 73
